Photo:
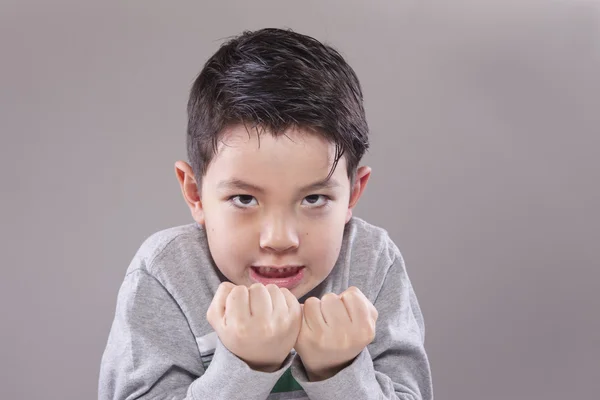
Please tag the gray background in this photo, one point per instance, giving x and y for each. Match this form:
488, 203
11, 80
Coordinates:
485, 124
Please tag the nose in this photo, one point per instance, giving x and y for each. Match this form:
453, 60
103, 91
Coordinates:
279, 234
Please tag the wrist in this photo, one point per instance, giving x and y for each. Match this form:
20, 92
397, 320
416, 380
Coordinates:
325, 373
269, 368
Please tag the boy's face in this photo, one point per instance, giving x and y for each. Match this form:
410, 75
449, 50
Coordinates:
265, 203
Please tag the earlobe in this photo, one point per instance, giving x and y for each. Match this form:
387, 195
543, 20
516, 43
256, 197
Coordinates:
189, 190
348, 215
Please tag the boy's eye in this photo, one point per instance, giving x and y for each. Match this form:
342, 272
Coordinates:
243, 200
315, 200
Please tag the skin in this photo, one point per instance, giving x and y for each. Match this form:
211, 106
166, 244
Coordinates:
266, 201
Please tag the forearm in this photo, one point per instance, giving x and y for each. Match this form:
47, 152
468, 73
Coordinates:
359, 380
228, 377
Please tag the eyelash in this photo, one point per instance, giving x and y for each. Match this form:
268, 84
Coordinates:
231, 201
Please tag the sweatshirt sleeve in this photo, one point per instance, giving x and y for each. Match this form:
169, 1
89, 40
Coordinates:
394, 365
152, 353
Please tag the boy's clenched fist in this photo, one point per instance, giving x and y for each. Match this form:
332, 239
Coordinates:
259, 324
334, 331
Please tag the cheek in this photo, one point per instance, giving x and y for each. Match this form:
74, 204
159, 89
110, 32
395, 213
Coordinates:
221, 219
228, 239
323, 242
230, 251
225, 236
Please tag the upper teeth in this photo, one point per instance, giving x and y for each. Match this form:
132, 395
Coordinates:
266, 270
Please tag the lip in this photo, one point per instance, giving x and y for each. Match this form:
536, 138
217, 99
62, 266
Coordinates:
289, 282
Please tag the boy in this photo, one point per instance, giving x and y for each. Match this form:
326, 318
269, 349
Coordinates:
276, 291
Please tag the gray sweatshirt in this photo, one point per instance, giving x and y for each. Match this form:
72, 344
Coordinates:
161, 346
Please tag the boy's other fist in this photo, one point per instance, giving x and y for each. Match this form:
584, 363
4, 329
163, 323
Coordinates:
334, 331
259, 324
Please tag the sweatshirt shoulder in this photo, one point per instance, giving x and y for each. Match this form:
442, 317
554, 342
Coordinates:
180, 238
366, 237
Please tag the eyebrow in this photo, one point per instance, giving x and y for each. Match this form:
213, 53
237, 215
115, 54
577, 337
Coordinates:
242, 185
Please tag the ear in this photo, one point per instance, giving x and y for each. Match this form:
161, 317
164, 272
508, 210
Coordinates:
190, 190
360, 183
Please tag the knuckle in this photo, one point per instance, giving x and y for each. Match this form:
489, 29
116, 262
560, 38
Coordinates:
238, 290
371, 337
295, 310
375, 313
369, 332
273, 290
255, 287
329, 297
226, 286
312, 301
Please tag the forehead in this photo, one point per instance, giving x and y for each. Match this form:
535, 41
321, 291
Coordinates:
295, 152
278, 164
239, 140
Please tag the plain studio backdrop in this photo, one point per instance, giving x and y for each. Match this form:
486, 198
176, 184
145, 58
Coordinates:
485, 121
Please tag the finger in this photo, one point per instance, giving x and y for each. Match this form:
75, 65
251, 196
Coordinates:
294, 307
278, 299
292, 302
313, 315
237, 307
354, 291
216, 310
334, 311
260, 301
357, 306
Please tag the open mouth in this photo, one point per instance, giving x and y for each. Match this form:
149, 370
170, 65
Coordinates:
270, 272
284, 277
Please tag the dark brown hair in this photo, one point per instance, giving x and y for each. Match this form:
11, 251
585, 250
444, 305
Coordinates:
273, 79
